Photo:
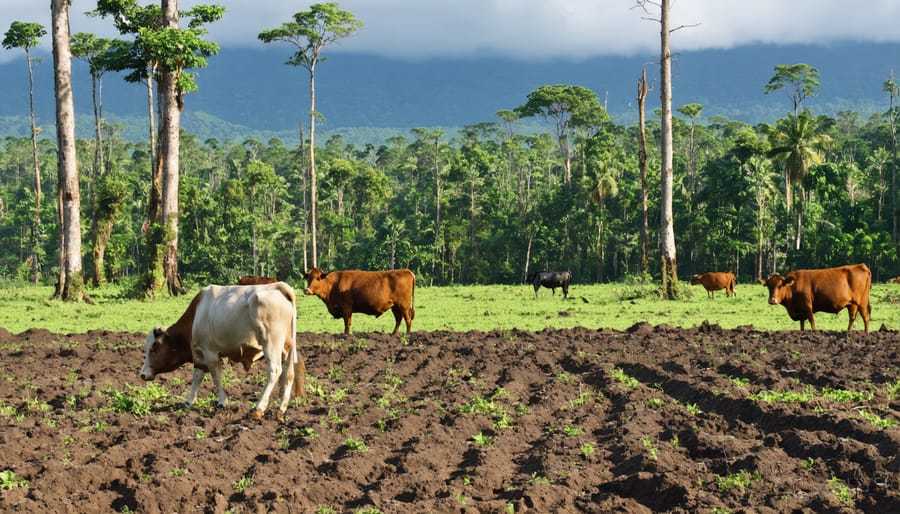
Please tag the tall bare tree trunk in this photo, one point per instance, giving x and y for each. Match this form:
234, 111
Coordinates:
71, 281
36, 229
313, 194
150, 230
172, 104
304, 201
438, 235
99, 240
892, 121
669, 270
642, 164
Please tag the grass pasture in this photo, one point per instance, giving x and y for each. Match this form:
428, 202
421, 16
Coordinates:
459, 308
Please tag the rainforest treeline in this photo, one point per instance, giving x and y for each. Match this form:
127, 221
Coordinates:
486, 204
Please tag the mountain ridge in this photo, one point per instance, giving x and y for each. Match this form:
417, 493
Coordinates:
252, 93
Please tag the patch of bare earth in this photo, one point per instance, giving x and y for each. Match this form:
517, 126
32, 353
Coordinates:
652, 419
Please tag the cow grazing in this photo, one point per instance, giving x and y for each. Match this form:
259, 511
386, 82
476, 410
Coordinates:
253, 280
804, 292
551, 280
715, 281
367, 292
241, 323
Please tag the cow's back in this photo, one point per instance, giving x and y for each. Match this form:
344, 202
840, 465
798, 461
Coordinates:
252, 280
716, 280
232, 316
373, 292
832, 289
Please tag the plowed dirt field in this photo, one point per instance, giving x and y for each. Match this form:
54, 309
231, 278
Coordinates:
650, 419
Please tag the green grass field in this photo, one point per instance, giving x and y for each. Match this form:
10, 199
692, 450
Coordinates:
459, 308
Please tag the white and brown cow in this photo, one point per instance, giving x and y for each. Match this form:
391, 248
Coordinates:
241, 323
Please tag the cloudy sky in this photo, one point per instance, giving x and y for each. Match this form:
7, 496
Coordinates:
528, 29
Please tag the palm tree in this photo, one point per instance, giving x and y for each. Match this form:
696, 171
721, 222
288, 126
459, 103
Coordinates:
797, 142
692, 111
878, 162
606, 186
762, 180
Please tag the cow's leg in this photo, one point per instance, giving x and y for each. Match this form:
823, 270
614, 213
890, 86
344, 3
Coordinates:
565, 290
287, 382
851, 310
273, 368
398, 316
216, 371
195, 386
536, 287
348, 320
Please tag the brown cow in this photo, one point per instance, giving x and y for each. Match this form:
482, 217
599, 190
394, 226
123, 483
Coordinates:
253, 280
242, 324
367, 292
803, 292
714, 281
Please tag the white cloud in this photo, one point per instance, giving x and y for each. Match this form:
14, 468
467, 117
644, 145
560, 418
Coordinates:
531, 29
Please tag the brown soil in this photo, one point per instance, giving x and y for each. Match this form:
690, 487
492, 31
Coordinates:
467, 422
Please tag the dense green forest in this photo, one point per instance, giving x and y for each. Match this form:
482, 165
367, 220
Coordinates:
487, 204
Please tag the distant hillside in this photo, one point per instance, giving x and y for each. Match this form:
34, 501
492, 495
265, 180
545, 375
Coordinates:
251, 93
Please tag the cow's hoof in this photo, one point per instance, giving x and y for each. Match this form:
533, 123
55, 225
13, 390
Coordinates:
184, 406
256, 414
280, 415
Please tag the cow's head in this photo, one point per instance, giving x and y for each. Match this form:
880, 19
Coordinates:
778, 287
695, 280
160, 354
314, 279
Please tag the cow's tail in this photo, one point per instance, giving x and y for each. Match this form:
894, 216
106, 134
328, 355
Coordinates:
296, 359
299, 387
868, 289
412, 300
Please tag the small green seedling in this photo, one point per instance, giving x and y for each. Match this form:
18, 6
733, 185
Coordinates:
356, 446
840, 491
482, 440
9, 480
243, 483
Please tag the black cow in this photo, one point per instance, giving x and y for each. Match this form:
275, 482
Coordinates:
552, 280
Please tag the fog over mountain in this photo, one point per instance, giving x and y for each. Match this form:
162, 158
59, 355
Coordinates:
252, 93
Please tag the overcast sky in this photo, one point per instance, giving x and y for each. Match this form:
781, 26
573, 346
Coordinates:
526, 29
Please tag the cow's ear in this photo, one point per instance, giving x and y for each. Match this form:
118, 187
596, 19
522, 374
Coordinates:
787, 281
761, 281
